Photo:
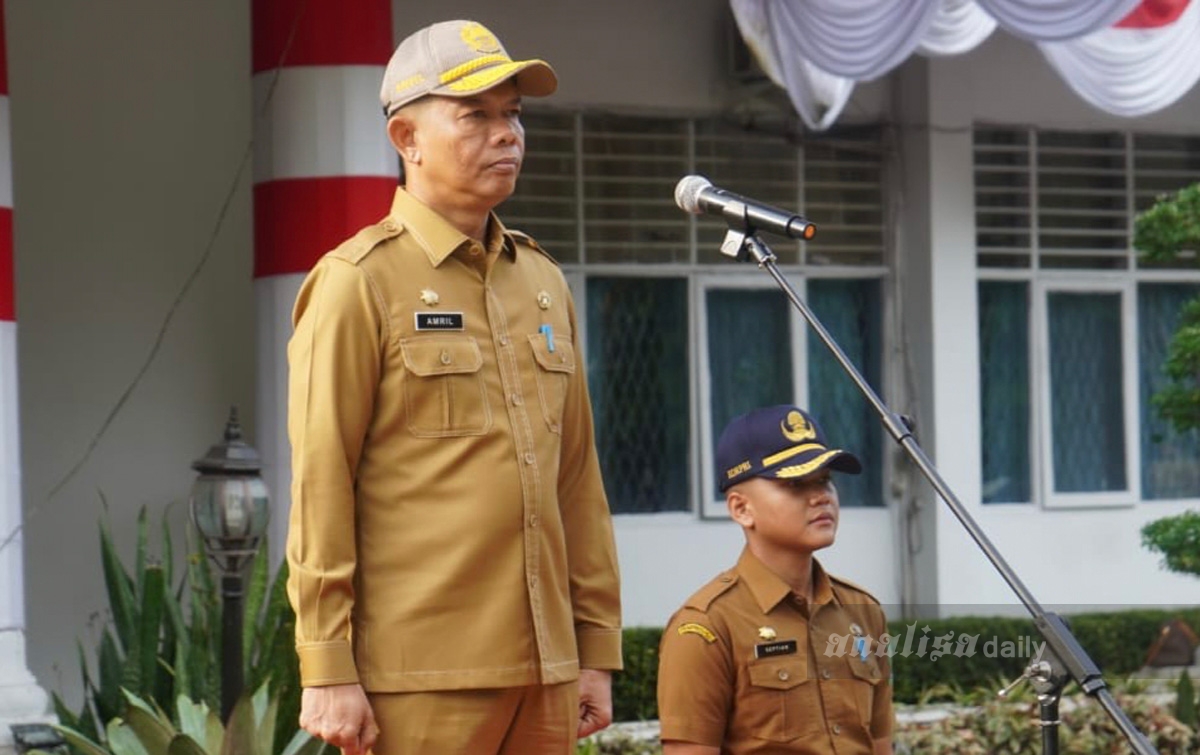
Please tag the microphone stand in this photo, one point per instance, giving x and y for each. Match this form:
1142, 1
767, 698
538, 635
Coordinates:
1067, 659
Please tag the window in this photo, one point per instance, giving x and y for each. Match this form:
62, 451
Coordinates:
1073, 325
678, 338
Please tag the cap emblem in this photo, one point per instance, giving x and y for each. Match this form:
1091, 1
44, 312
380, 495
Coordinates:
796, 428
479, 39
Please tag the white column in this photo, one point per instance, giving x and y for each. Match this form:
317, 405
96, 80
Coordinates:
323, 168
21, 699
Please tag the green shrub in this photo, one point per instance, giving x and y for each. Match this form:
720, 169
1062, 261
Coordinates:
635, 696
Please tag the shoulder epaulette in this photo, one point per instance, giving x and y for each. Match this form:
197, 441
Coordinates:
529, 241
845, 583
358, 246
704, 597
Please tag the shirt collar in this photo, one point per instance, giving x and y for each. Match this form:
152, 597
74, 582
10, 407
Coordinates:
437, 236
769, 590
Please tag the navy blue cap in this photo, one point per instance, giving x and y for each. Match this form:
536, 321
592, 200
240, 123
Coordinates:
780, 442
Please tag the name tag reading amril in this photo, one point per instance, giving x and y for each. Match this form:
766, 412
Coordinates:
439, 320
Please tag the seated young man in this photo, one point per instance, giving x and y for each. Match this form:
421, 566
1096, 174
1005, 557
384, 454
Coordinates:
775, 655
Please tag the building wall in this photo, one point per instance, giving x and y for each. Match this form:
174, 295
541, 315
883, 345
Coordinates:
1067, 558
131, 122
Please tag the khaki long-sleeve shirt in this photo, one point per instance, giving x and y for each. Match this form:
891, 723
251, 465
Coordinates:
449, 528
748, 667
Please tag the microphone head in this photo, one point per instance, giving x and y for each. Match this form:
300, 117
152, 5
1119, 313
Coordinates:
687, 193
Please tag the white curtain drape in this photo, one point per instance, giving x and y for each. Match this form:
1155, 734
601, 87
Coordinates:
818, 49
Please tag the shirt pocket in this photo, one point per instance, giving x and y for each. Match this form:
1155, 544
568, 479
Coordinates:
444, 392
553, 375
781, 702
867, 676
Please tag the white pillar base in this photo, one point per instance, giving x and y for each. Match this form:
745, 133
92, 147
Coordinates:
22, 701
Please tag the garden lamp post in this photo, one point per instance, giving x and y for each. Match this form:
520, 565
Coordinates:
230, 506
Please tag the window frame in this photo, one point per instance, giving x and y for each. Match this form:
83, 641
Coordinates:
1043, 450
712, 502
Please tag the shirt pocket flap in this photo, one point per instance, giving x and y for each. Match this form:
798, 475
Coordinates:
441, 356
561, 359
866, 670
779, 673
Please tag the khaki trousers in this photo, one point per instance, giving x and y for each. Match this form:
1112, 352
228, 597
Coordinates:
535, 720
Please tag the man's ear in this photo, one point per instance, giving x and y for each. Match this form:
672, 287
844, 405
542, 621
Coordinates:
402, 133
740, 509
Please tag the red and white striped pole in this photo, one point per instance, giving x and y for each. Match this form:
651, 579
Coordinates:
323, 169
21, 699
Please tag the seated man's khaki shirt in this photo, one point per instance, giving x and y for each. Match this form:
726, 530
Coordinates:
448, 528
746, 666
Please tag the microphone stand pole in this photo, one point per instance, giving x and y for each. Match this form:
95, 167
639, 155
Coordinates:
1067, 660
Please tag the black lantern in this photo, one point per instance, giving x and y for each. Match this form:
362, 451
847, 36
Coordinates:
230, 506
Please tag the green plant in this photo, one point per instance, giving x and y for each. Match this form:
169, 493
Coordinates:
1177, 538
635, 689
163, 640
144, 728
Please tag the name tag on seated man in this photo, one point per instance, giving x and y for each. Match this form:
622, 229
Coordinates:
770, 649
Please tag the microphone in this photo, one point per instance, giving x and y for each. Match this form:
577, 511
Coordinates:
697, 195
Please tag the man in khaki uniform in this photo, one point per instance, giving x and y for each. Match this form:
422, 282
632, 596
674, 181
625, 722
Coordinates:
452, 561
775, 655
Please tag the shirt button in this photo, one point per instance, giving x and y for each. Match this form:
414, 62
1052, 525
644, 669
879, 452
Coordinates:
445, 357
503, 340
783, 675
825, 673
533, 520
533, 581
516, 399
837, 728
529, 458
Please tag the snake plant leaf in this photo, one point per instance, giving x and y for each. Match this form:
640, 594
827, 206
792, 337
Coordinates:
182, 744
255, 596
120, 589
168, 550
123, 740
150, 625
107, 696
266, 707
81, 743
200, 723
153, 732
241, 733
140, 557
304, 743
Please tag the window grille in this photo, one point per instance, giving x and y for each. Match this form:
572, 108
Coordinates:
1073, 324
597, 191
1066, 200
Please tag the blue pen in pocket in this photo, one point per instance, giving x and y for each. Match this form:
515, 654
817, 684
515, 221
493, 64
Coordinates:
548, 331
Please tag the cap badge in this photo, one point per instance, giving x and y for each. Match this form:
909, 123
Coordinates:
797, 428
543, 300
479, 39
429, 297
766, 633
